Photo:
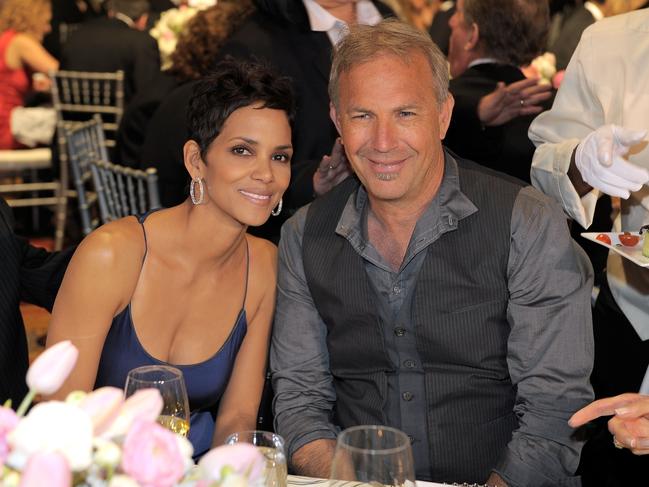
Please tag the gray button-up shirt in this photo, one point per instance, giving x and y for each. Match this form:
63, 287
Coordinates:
547, 394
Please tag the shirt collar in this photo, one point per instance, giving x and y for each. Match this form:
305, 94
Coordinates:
322, 21
483, 60
446, 209
124, 18
595, 11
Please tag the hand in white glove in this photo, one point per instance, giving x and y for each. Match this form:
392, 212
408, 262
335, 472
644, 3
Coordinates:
599, 158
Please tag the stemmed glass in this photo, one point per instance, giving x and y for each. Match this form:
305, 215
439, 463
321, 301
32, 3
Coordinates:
169, 381
271, 446
373, 455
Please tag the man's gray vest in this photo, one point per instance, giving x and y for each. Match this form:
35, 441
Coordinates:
460, 317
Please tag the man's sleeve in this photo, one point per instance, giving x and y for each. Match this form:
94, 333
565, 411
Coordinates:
299, 360
41, 273
550, 347
556, 133
147, 64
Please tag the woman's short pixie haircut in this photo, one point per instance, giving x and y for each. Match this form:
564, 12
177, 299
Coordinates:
232, 85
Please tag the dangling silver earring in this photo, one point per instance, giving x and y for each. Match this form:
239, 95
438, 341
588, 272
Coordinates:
278, 209
192, 191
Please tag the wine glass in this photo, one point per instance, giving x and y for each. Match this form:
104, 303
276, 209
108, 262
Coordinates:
373, 455
169, 381
271, 446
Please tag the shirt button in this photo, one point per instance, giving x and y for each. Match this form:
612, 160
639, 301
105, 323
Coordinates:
407, 396
409, 364
399, 331
396, 289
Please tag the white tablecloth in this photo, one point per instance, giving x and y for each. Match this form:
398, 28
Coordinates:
295, 481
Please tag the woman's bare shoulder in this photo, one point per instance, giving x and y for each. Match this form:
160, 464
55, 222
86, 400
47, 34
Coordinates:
263, 251
113, 245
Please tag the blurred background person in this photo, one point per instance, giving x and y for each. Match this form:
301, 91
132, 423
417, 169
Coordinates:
113, 42
27, 274
439, 29
197, 47
490, 40
592, 142
577, 17
419, 13
66, 16
23, 23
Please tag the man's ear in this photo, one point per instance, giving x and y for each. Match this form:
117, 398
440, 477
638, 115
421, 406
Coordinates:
445, 112
192, 158
333, 114
473, 40
140, 23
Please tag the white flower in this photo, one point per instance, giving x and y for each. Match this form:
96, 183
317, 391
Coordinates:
166, 31
201, 4
122, 481
545, 66
53, 426
234, 480
107, 453
75, 397
11, 479
186, 450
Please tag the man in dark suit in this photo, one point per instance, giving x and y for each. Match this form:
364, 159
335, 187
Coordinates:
297, 37
439, 29
572, 26
489, 40
27, 274
116, 42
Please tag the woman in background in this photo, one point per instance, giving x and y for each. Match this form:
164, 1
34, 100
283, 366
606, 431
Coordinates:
23, 23
186, 286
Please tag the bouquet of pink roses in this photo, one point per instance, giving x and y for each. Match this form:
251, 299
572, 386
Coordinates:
99, 439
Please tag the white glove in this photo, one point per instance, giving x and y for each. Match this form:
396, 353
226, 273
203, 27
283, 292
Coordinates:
599, 158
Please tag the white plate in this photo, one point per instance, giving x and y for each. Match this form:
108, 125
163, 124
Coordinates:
634, 254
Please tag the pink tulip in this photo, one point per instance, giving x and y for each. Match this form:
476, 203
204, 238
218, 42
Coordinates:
242, 458
48, 372
145, 404
8, 421
49, 469
151, 455
103, 406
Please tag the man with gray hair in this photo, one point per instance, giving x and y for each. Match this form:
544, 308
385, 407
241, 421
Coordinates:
116, 42
428, 293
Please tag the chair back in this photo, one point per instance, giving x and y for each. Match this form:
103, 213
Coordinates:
116, 191
78, 95
22, 184
84, 142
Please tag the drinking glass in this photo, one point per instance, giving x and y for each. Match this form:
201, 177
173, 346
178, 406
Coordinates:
169, 381
271, 446
373, 455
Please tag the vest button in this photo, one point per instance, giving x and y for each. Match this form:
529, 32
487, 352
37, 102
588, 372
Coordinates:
407, 396
410, 364
398, 331
411, 438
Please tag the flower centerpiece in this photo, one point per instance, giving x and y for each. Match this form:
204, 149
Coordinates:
171, 23
98, 439
544, 68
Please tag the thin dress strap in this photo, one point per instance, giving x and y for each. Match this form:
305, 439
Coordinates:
140, 219
245, 290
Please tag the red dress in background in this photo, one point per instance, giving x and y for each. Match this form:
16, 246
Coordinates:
14, 85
